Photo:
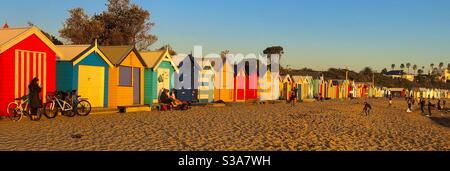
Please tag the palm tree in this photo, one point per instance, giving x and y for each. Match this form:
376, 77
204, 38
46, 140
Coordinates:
408, 65
402, 66
441, 65
393, 66
435, 71
414, 68
431, 67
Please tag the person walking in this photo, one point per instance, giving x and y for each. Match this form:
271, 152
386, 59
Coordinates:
422, 105
367, 108
35, 101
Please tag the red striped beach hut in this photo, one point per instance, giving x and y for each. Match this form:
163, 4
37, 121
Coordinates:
25, 53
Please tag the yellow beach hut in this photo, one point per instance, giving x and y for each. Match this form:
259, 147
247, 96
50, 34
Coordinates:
223, 80
126, 78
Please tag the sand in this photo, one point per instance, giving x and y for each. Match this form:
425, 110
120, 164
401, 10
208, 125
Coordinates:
319, 126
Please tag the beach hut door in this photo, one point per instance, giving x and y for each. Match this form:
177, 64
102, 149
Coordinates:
137, 86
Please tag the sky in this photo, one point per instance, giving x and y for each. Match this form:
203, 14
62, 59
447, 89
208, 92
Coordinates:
317, 34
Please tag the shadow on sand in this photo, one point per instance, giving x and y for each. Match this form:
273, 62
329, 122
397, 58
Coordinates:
444, 121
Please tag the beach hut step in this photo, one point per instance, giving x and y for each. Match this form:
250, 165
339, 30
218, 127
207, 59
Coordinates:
103, 110
134, 108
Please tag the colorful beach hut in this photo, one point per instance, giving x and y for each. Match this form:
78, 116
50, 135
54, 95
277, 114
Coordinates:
268, 85
286, 86
159, 74
224, 80
25, 53
84, 68
186, 80
206, 83
240, 83
126, 77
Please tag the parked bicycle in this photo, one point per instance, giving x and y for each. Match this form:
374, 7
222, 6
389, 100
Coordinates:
19, 108
69, 104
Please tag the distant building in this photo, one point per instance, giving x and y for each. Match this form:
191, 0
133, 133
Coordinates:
445, 76
399, 74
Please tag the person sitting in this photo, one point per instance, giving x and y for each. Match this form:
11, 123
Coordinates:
165, 97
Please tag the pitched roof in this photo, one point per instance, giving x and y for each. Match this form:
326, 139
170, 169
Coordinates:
71, 51
116, 54
8, 34
152, 58
11, 36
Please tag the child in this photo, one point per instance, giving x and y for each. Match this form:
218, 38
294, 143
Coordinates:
390, 101
367, 108
409, 106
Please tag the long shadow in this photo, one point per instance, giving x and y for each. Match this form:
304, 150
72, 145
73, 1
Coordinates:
441, 121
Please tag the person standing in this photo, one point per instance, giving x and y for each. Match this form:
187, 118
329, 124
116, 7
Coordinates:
390, 101
35, 101
429, 107
293, 97
409, 105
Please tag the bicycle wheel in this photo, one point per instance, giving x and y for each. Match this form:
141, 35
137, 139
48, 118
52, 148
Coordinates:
83, 108
14, 113
49, 110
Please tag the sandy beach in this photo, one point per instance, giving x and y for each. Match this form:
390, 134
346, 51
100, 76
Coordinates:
319, 126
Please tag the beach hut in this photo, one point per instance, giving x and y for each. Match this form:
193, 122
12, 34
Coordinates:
126, 77
304, 87
286, 86
224, 80
240, 84
251, 69
186, 81
25, 53
159, 74
206, 83
269, 86
84, 68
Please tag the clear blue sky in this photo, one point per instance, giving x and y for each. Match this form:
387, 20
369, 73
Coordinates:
315, 33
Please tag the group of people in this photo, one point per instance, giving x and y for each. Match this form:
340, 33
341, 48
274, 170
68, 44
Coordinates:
426, 103
292, 97
169, 98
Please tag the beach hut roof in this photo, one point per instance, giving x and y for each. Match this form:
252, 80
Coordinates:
153, 59
76, 53
116, 54
11, 36
71, 51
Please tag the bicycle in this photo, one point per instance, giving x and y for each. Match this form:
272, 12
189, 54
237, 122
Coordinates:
19, 108
64, 102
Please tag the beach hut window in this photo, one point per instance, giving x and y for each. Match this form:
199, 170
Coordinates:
181, 77
125, 76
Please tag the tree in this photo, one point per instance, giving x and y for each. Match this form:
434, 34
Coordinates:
79, 28
420, 71
52, 38
392, 66
123, 23
274, 50
441, 65
414, 68
383, 71
402, 66
171, 51
408, 65
448, 66
367, 71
